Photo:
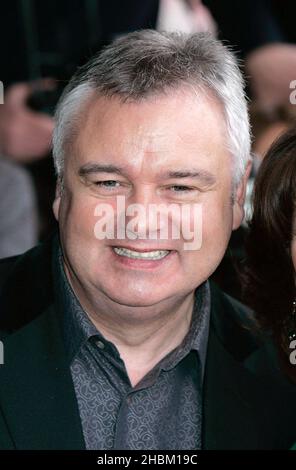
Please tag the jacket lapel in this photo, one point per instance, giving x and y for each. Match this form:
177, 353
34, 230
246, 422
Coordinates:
37, 395
233, 396
228, 417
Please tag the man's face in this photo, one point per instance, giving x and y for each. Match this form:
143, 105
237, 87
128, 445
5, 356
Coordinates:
164, 150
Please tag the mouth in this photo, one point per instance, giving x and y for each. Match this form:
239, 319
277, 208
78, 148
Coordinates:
153, 255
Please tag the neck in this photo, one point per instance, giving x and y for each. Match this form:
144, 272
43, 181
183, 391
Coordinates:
142, 335
141, 347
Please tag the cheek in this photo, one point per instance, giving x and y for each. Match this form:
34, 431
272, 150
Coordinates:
217, 222
216, 231
77, 216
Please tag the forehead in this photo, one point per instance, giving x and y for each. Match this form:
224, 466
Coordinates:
156, 132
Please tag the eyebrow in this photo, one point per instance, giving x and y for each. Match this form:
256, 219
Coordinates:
202, 175
91, 168
199, 174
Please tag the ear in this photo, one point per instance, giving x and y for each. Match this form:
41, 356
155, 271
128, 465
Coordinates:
239, 198
57, 200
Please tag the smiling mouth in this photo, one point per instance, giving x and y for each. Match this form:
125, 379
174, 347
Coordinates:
143, 255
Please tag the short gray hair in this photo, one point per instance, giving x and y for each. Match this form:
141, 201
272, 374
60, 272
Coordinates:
147, 62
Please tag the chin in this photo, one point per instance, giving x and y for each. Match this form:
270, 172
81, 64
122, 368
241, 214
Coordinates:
146, 298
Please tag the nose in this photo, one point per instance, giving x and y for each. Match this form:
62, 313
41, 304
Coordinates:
141, 216
147, 216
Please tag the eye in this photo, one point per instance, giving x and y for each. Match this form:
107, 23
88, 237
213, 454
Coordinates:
180, 188
108, 184
182, 192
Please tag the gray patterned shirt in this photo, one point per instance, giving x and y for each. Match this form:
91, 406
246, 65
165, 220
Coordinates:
163, 411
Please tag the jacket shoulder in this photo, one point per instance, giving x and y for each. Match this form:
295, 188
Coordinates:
234, 324
25, 286
6, 264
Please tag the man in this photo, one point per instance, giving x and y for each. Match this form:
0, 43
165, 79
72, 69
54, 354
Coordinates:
118, 341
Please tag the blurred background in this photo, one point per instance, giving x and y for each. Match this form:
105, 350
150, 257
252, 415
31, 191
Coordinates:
42, 43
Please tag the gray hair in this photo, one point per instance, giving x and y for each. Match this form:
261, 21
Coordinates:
147, 62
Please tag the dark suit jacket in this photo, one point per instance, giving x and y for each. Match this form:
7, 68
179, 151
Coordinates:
38, 408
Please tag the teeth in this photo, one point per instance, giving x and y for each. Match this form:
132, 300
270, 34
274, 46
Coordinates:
154, 255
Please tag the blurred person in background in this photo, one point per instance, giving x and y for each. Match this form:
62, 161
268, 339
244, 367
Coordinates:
270, 265
267, 127
18, 211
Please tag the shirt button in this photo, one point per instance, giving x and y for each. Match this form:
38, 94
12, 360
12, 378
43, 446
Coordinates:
100, 345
